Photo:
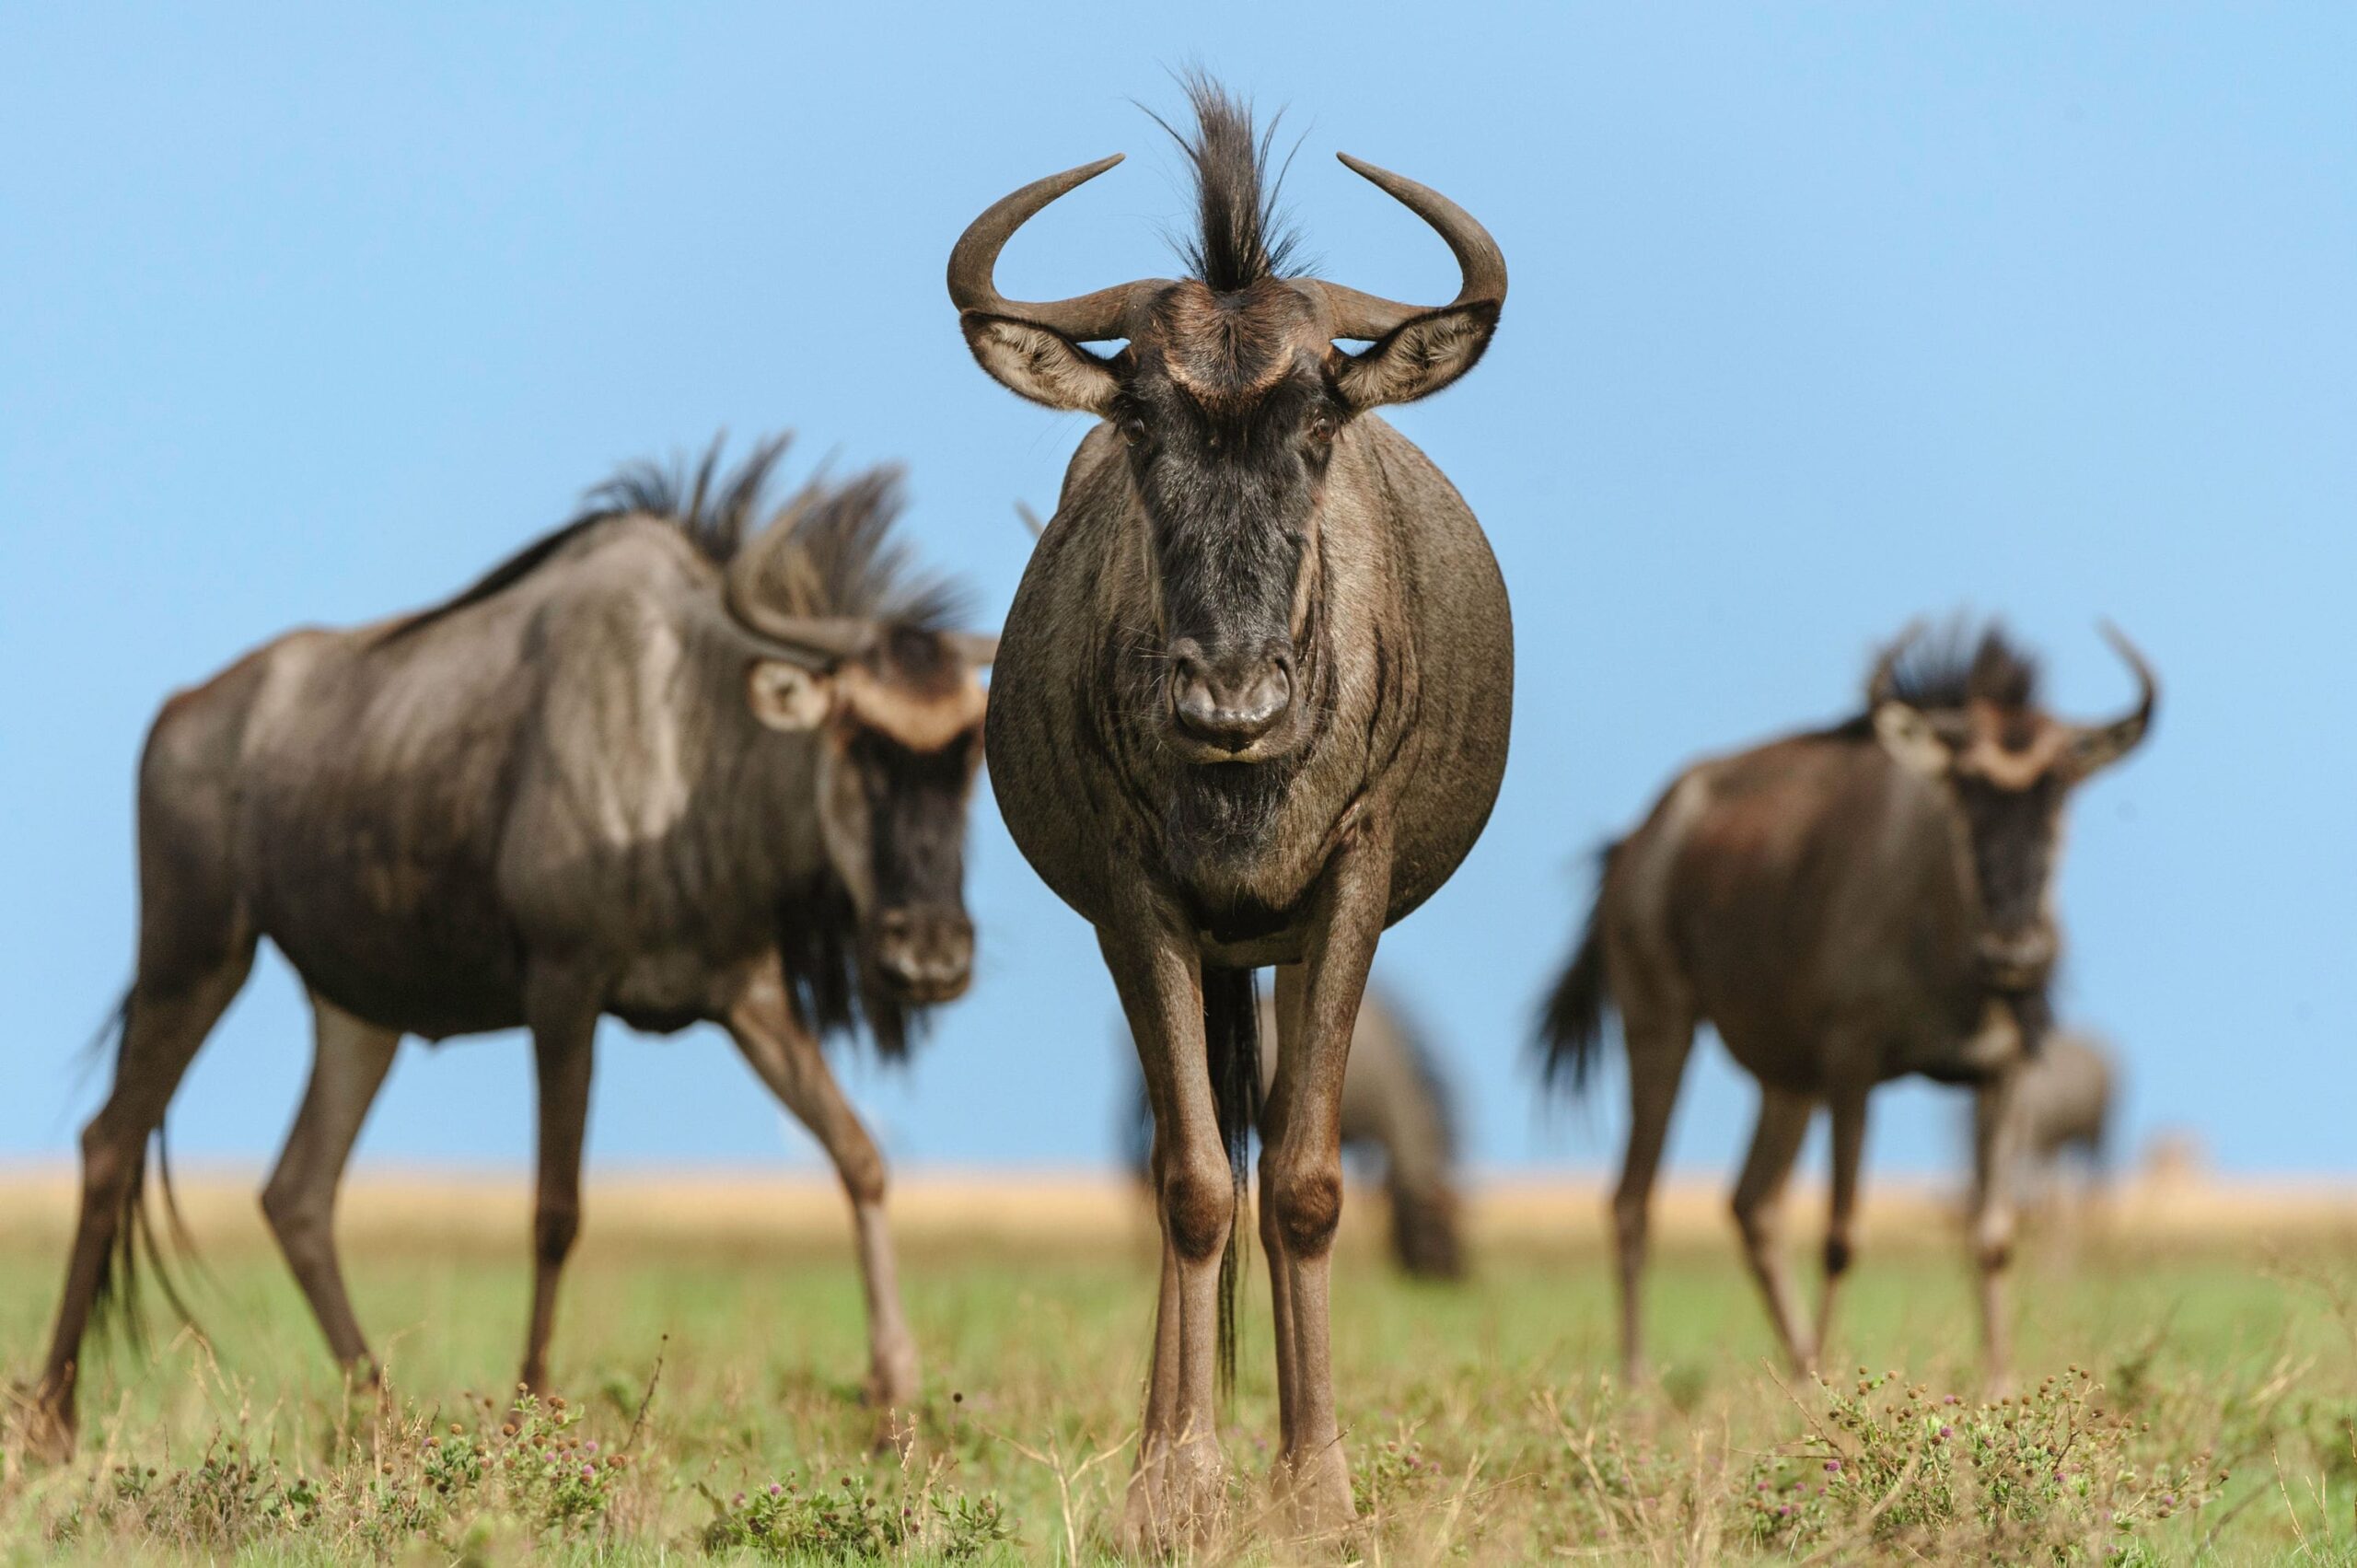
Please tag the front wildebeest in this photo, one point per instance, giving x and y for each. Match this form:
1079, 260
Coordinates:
1251, 708
1847, 906
1396, 1106
650, 767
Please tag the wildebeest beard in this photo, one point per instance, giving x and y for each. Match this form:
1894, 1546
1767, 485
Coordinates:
831, 983
1221, 815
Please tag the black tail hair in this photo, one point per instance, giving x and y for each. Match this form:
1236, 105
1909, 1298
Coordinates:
1232, 1048
1571, 1025
116, 1306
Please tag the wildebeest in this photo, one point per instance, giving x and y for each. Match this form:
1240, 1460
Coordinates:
657, 765
1396, 1108
2062, 1105
1251, 708
1847, 906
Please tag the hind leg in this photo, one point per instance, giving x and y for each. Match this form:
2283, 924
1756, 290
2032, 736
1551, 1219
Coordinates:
1659, 1042
164, 1024
350, 1059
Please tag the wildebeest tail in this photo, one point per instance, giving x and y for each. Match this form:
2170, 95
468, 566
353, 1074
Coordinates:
1571, 1025
1232, 1049
137, 1248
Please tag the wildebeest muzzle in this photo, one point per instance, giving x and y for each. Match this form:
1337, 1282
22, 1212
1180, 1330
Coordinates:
1229, 698
926, 954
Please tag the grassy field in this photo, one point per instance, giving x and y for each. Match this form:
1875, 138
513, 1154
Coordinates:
2203, 1386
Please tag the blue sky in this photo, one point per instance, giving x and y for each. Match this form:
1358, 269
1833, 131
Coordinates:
1823, 317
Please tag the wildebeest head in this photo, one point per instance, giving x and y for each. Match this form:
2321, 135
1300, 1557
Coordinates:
841, 642
1970, 722
1233, 399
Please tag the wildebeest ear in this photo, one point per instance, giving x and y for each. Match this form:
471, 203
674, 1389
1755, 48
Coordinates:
1912, 741
788, 697
1420, 356
1041, 365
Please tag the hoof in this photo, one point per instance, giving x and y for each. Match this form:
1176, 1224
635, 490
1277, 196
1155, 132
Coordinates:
46, 1435
1175, 1497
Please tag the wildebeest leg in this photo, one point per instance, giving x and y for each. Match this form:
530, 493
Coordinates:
164, 1024
1302, 1174
1847, 1106
1995, 1158
349, 1061
1659, 1042
1758, 1194
789, 1061
563, 1016
1289, 988
1176, 1487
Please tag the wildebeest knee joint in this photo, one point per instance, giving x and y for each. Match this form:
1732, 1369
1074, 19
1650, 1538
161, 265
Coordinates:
1837, 1256
1199, 1201
1308, 1204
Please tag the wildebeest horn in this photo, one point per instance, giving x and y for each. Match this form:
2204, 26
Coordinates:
1883, 685
1030, 519
818, 641
1088, 318
977, 648
1355, 314
2100, 745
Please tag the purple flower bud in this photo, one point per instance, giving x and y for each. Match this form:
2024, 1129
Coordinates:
775, 1490
590, 1446
588, 1473
1949, 1401
1832, 1466
739, 1500
1946, 1433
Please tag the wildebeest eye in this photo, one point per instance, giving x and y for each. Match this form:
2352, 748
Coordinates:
1133, 430
1320, 430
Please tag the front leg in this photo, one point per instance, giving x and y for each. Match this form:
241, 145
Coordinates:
563, 1017
1175, 1491
1302, 1170
1995, 1158
788, 1060
1846, 1111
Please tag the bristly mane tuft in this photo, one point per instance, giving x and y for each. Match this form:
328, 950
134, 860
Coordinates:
1242, 237
1951, 665
828, 549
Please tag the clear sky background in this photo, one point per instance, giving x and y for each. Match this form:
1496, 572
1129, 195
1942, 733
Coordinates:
1822, 318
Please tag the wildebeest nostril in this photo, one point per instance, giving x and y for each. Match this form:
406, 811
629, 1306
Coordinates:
1230, 704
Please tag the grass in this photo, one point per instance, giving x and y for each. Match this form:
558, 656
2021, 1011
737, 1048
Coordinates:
2184, 1399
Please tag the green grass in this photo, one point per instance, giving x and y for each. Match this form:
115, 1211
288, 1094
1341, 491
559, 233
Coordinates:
1483, 1425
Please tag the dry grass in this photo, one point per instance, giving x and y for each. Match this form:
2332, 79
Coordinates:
2191, 1382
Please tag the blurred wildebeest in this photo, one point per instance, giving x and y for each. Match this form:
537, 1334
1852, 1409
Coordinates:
1396, 1106
1251, 708
1847, 906
658, 766
2061, 1105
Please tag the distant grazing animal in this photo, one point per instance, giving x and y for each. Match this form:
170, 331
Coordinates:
2062, 1106
657, 765
1847, 906
1251, 709
1396, 1106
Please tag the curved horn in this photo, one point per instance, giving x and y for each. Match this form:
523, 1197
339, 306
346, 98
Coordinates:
977, 648
1883, 685
820, 641
1356, 314
1088, 318
2101, 745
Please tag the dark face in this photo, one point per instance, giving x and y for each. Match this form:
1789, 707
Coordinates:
2010, 771
914, 932
900, 734
1229, 420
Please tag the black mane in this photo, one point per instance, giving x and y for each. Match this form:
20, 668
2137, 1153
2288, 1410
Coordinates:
1241, 235
1949, 667
828, 549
